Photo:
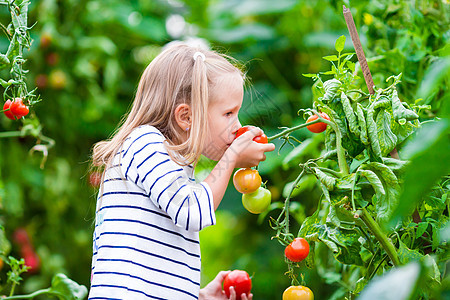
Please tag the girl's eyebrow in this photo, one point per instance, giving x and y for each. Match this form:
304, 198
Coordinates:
232, 108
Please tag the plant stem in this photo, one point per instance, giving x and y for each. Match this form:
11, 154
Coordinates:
8, 134
286, 203
380, 236
289, 130
29, 296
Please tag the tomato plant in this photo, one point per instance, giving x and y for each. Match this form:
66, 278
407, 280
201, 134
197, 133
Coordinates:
259, 139
258, 201
297, 250
317, 127
298, 293
240, 281
246, 180
361, 174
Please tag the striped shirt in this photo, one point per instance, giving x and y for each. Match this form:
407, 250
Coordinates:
146, 241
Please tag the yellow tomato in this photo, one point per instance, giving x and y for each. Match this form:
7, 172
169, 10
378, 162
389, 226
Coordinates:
298, 292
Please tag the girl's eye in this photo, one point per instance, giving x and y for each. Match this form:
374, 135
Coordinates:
228, 114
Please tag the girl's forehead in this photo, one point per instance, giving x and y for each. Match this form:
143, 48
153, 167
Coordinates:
227, 86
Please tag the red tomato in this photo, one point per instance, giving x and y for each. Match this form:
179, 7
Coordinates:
262, 139
298, 293
19, 109
240, 281
8, 113
31, 258
298, 250
317, 127
1, 263
246, 180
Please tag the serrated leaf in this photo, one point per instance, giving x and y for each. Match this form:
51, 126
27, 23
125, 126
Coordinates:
349, 114
399, 111
340, 43
325, 179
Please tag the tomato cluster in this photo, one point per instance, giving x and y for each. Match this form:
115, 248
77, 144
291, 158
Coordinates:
240, 281
15, 109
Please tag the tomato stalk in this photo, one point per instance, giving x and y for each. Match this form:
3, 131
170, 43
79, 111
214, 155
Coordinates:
32, 295
380, 236
343, 166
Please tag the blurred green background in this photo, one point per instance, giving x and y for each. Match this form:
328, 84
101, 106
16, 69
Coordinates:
86, 60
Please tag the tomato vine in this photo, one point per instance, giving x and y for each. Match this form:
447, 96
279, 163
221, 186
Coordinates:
354, 216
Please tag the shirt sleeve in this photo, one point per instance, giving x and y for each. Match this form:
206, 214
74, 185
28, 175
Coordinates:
145, 162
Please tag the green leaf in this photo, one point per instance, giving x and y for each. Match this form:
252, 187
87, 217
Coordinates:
309, 75
66, 289
427, 151
362, 124
350, 114
406, 255
331, 58
387, 139
399, 111
330, 88
385, 204
397, 284
374, 181
340, 44
421, 228
328, 181
372, 131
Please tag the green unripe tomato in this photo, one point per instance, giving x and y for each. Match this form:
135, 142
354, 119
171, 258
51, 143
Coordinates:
258, 201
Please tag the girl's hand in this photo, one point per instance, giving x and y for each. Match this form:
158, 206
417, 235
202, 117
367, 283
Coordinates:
246, 153
213, 291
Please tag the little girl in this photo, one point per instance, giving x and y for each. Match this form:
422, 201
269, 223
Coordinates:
149, 208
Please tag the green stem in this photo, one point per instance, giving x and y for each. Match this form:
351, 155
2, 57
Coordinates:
287, 202
29, 296
289, 130
8, 134
380, 236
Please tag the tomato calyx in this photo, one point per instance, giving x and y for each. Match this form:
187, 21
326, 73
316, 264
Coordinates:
319, 126
262, 139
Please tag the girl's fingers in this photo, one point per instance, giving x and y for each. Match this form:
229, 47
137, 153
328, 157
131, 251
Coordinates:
232, 293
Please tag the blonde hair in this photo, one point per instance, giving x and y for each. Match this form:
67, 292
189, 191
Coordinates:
172, 78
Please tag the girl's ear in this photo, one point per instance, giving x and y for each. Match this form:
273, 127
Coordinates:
183, 116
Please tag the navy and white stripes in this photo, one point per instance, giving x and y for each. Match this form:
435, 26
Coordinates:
146, 243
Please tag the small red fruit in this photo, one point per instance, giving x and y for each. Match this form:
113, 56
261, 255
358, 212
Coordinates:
317, 127
298, 250
19, 109
240, 281
262, 139
8, 113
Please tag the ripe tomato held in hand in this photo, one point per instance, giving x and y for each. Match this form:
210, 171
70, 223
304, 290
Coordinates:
298, 292
298, 250
317, 127
95, 178
258, 201
240, 281
19, 109
8, 113
262, 139
246, 180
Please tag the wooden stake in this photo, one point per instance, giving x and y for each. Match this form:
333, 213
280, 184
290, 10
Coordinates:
358, 48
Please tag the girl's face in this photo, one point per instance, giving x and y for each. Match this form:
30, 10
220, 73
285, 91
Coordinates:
223, 115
